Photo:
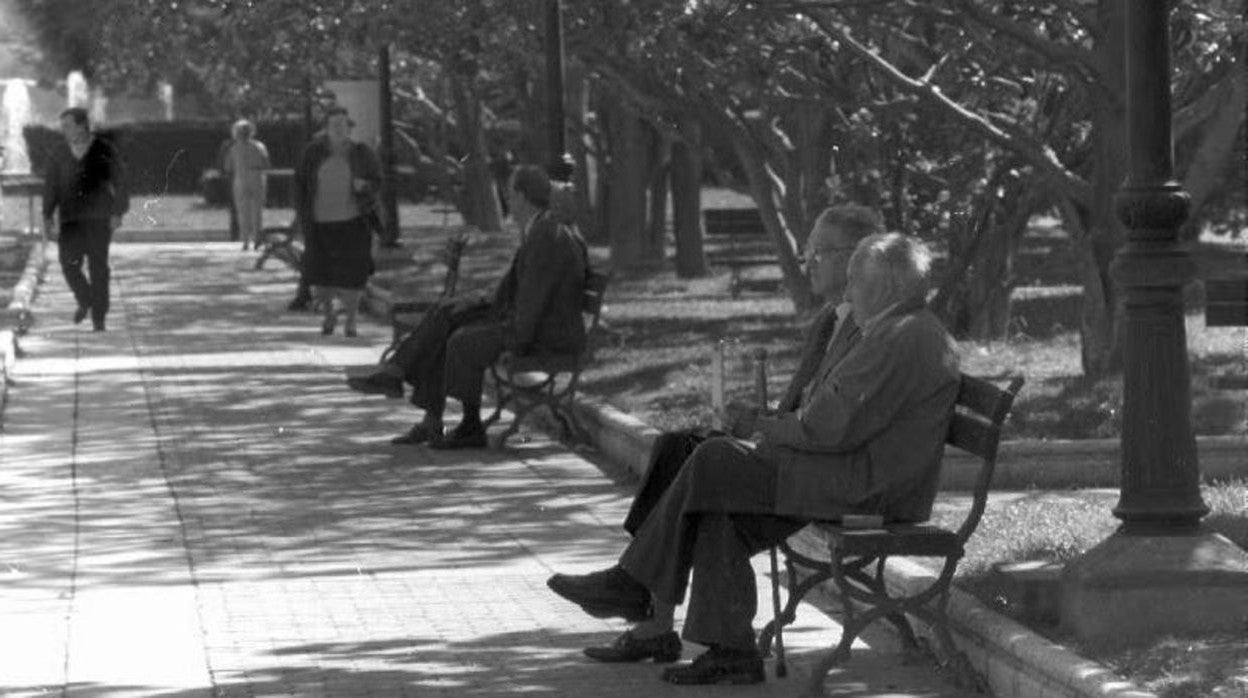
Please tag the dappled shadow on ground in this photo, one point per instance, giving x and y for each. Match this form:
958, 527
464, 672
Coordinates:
273, 463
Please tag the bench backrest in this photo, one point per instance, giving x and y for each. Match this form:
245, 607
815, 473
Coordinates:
733, 221
1226, 303
592, 303
451, 255
976, 428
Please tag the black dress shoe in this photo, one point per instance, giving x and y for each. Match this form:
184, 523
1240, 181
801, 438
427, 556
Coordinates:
81, 313
719, 665
418, 434
459, 437
626, 648
377, 383
609, 593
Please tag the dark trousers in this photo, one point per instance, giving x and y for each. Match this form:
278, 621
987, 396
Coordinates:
470, 326
89, 239
713, 517
667, 455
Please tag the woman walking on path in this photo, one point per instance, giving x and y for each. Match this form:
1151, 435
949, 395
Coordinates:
335, 189
245, 161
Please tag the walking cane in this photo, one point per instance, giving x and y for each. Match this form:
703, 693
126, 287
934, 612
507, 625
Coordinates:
760, 391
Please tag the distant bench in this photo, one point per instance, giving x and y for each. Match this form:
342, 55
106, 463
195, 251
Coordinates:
1226, 300
740, 241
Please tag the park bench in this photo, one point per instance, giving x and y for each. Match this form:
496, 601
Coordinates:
549, 380
853, 545
1226, 302
737, 239
279, 243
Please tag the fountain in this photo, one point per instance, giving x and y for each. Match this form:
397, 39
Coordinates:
16, 176
77, 94
16, 109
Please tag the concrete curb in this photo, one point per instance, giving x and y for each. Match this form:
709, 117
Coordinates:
17, 316
1016, 662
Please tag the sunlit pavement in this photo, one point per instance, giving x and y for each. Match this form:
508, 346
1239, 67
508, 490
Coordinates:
193, 504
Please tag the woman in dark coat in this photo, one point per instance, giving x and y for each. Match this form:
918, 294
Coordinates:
335, 191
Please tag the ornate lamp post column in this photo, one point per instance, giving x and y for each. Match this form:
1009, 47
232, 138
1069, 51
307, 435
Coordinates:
560, 165
1161, 572
389, 180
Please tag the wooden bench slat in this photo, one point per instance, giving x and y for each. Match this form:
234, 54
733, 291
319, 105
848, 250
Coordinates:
1226, 303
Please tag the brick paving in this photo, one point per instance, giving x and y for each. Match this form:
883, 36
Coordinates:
192, 504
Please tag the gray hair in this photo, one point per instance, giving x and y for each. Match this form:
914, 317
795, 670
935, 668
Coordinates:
902, 262
243, 129
855, 220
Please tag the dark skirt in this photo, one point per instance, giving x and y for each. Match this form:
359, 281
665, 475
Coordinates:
339, 254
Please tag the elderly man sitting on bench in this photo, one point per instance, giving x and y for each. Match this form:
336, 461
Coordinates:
536, 309
866, 438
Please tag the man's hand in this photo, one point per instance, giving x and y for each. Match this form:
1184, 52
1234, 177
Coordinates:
114, 222
741, 418
49, 229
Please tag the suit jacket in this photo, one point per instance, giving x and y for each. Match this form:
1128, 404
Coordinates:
540, 295
91, 188
869, 434
814, 347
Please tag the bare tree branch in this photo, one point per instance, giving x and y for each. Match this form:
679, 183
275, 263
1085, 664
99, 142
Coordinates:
1057, 53
1039, 154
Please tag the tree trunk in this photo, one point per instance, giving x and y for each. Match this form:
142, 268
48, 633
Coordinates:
654, 246
1209, 166
760, 180
687, 201
577, 106
626, 189
481, 207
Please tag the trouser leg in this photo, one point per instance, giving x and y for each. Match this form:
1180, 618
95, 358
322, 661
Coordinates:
667, 455
422, 355
99, 239
723, 596
722, 475
470, 351
72, 250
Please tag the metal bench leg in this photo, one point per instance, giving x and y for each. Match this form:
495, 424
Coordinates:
782, 670
521, 411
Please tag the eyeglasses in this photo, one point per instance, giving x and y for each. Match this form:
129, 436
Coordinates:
821, 253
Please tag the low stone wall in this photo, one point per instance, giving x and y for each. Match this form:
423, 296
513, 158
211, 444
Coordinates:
16, 317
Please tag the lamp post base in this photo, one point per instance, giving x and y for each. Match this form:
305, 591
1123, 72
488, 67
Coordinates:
1131, 589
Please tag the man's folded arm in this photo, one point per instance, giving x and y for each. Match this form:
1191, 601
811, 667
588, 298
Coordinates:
857, 401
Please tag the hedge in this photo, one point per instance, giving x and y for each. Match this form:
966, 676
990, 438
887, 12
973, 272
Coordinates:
171, 156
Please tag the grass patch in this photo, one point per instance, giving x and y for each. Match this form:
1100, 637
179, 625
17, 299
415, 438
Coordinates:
1058, 526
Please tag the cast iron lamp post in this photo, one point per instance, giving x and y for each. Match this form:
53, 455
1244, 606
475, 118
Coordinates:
1162, 572
560, 164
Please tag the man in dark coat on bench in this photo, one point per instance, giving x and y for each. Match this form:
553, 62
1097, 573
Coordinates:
535, 310
866, 438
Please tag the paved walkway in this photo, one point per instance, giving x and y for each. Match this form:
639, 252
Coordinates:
192, 504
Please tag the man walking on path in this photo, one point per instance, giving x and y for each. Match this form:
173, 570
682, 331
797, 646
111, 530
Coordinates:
84, 186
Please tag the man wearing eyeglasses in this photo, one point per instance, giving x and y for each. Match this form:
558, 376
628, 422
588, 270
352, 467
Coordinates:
833, 332
866, 439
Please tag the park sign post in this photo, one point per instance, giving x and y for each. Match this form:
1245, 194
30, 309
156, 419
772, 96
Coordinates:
1163, 572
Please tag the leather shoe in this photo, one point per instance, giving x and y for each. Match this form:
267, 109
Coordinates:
377, 383
626, 648
609, 593
417, 435
81, 313
719, 665
459, 437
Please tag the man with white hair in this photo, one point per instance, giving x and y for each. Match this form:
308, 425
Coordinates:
867, 438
